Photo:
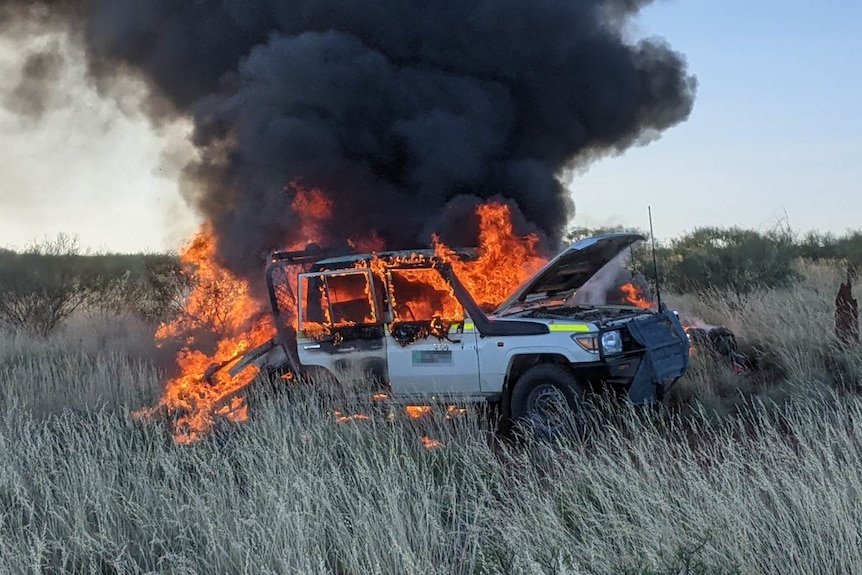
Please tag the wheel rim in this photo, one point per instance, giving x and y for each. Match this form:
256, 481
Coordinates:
547, 407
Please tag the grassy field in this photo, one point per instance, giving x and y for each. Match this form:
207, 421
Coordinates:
733, 475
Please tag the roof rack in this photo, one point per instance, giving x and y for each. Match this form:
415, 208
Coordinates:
310, 254
313, 254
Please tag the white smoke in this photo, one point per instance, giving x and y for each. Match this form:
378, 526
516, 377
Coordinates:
608, 279
84, 163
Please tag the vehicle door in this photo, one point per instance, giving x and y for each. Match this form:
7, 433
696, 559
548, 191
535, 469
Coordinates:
340, 327
430, 344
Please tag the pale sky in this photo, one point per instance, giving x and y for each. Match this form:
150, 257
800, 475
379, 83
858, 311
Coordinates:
89, 170
775, 131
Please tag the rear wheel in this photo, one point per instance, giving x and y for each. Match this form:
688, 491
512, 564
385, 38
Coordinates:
549, 400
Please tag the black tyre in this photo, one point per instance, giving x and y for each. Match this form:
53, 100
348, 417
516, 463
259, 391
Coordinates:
549, 400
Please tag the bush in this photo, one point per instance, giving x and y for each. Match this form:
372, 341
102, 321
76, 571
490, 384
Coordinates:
50, 281
150, 286
44, 285
731, 259
735, 260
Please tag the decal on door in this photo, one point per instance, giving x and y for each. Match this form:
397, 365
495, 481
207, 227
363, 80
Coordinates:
426, 357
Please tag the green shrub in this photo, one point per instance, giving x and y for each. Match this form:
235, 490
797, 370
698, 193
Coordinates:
41, 287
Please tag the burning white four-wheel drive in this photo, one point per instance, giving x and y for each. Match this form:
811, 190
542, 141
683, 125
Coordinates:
408, 321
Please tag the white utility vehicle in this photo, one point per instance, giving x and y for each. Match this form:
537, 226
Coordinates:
381, 315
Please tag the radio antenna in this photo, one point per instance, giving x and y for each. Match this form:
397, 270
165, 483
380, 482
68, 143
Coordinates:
654, 261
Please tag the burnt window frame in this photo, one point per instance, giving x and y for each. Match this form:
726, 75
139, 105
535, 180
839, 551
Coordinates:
301, 304
391, 295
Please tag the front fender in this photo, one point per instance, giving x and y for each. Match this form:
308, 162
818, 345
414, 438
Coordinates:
568, 353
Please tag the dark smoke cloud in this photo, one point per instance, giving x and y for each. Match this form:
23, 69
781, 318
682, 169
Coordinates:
396, 108
21, 17
31, 95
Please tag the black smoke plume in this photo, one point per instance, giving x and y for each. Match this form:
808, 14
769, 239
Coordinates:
394, 108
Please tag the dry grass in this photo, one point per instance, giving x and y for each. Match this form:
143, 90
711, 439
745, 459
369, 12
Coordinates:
93, 362
758, 478
792, 332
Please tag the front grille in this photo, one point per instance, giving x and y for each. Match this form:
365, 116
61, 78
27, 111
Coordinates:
658, 331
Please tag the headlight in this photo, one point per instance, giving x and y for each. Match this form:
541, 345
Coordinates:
612, 342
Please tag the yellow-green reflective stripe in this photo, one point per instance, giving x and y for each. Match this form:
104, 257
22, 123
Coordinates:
552, 327
578, 328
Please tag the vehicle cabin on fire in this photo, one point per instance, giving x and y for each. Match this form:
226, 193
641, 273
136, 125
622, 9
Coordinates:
407, 319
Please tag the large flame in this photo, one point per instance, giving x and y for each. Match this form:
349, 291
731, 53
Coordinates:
221, 306
505, 259
314, 210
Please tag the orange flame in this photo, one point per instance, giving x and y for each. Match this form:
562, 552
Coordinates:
635, 296
339, 296
314, 209
221, 303
431, 443
341, 418
687, 328
454, 411
423, 294
419, 294
506, 260
417, 411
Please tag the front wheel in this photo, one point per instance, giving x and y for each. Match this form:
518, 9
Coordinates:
549, 400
